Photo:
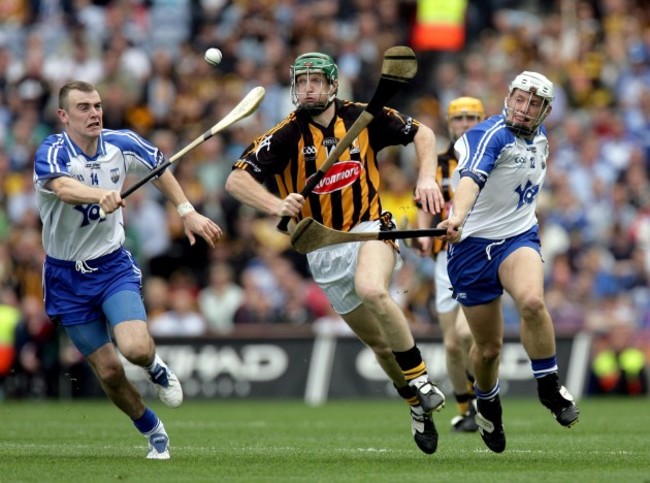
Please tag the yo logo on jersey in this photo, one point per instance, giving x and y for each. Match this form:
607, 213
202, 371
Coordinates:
90, 213
340, 175
527, 193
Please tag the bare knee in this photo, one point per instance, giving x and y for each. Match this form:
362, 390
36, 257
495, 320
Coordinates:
532, 308
140, 352
488, 352
372, 295
452, 346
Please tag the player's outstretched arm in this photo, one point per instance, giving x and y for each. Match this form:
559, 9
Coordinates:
193, 222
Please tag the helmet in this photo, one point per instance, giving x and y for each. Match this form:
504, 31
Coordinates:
315, 62
469, 109
538, 85
534, 82
466, 106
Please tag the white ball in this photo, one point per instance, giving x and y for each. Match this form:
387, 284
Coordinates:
213, 56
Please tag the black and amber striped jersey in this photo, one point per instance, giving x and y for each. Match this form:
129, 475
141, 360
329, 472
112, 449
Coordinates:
294, 149
447, 163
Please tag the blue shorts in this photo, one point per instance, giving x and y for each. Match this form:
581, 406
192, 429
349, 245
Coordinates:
473, 265
90, 336
83, 297
76, 292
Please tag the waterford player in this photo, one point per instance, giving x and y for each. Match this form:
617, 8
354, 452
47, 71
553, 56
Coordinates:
495, 246
92, 285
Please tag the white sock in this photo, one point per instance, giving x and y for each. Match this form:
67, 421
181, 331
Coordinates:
156, 361
158, 428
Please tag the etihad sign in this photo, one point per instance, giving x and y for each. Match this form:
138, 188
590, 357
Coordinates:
340, 175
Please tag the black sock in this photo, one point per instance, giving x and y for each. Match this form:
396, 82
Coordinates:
407, 392
411, 363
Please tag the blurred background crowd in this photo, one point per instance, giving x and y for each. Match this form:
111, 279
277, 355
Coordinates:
146, 58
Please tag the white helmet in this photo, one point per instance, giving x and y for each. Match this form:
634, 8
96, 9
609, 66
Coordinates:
538, 85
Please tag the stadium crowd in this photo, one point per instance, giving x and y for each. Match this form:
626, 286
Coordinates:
146, 57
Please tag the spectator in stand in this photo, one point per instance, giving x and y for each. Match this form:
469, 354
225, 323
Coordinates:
256, 307
182, 319
619, 366
36, 369
156, 296
637, 120
10, 316
220, 300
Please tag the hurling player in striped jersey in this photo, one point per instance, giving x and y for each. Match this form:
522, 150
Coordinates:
495, 246
355, 276
92, 285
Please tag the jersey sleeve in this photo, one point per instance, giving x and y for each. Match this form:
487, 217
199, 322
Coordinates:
51, 160
478, 150
392, 128
269, 153
140, 155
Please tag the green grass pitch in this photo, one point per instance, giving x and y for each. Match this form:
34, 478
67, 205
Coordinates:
342, 441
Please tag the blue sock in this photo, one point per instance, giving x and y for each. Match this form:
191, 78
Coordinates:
544, 367
487, 395
147, 422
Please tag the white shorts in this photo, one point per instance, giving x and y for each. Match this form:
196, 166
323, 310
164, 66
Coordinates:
333, 269
444, 300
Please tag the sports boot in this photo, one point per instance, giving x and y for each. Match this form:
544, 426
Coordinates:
562, 406
490, 424
169, 387
424, 432
466, 423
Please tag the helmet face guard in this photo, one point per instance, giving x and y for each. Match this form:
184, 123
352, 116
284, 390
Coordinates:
537, 85
469, 109
309, 64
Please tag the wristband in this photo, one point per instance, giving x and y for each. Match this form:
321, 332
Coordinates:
184, 208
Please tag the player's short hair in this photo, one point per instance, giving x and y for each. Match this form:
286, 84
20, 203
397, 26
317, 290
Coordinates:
76, 85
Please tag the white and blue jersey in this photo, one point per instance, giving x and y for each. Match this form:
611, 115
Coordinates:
510, 172
76, 232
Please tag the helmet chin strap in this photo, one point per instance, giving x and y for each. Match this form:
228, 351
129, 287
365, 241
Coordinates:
315, 109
